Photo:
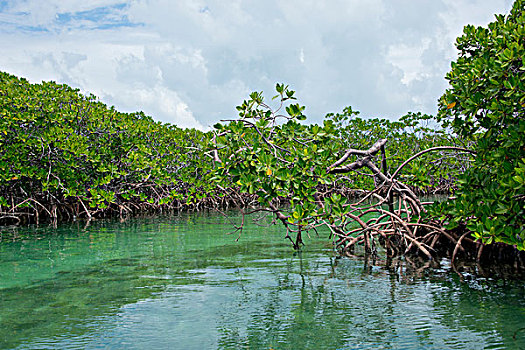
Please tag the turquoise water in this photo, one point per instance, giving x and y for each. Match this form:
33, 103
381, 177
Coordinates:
182, 283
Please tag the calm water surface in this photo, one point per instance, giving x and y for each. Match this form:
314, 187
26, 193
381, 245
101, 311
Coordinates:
182, 283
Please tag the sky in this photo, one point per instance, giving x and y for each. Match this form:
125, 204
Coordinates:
190, 62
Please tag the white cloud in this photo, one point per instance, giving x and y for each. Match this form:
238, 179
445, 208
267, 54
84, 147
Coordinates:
165, 103
189, 62
409, 60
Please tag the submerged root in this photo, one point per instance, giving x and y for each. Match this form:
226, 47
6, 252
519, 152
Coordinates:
439, 245
406, 232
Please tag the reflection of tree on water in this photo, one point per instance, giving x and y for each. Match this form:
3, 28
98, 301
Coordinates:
492, 308
305, 309
346, 303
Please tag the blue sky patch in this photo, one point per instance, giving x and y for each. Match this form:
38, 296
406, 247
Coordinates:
101, 17
3, 5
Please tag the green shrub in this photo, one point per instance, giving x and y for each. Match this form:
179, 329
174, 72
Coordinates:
486, 103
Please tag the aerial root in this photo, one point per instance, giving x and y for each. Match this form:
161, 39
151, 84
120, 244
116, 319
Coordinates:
458, 244
480, 251
391, 239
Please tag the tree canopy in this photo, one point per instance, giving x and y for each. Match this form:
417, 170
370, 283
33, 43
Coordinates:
66, 154
319, 169
486, 104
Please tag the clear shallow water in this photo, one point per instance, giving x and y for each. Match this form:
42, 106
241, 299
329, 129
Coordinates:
182, 283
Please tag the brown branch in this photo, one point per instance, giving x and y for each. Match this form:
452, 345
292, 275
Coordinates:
368, 153
439, 148
350, 167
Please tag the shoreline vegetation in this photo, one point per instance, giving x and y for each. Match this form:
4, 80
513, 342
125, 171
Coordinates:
65, 156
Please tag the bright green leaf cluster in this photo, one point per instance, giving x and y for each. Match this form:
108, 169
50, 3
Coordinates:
58, 146
486, 103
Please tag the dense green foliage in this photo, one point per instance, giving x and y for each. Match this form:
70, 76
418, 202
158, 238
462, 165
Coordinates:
58, 146
272, 155
410, 134
486, 103
66, 155
258, 147
63, 154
